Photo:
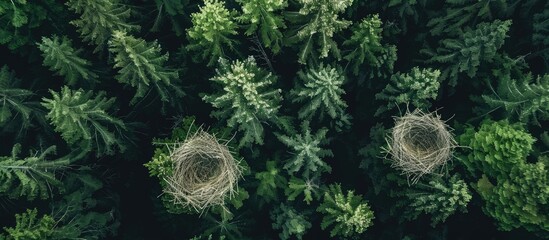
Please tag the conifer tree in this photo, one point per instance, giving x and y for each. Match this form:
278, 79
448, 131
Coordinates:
308, 187
307, 150
365, 43
349, 214
99, 19
84, 120
142, 65
173, 10
30, 177
212, 31
64, 60
269, 181
465, 52
29, 226
247, 98
416, 88
261, 16
317, 23
320, 91
14, 101
290, 221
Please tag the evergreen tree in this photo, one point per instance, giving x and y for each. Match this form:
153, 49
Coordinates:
320, 91
261, 14
416, 88
99, 19
30, 177
365, 44
307, 152
29, 226
64, 60
212, 31
140, 64
349, 214
247, 98
308, 187
469, 49
290, 221
173, 10
83, 120
317, 22
269, 181
15, 107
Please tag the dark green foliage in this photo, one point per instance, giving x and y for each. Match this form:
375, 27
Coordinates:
141, 65
269, 181
415, 88
460, 13
212, 32
526, 97
290, 221
316, 23
99, 19
495, 147
247, 98
320, 91
173, 10
297, 186
466, 52
15, 106
540, 33
519, 200
84, 121
29, 226
64, 60
307, 150
439, 198
30, 177
260, 14
365, 44
349, 214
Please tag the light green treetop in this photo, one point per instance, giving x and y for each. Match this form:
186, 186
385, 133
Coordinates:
365, 43
261, 14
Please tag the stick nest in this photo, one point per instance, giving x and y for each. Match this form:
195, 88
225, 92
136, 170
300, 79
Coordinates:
420, 144
204, 172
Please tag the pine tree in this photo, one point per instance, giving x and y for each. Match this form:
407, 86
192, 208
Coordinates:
416, 88
269, 181
29, 226
64, 60
525, 97
261, 14
469, 49
320, 91
212, 31
439, 197
31, 177
307, 152
141, 64
99, 19
317, 22
540, 32
308, 187
460, 13
349, 214
290, 221
83, 120
173, 10
246, 99
365, 43
14, 101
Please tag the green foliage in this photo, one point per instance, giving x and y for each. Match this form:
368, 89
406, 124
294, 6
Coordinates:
307, 152
269, 181
246, 99
540, 33
460, 13
31, 177
383, 66
316, 23
349, 214
29, 226
495, 148
83, 120
416, 88
440, 198
173, 9
297, 186
141, 65
469, 49
99, 19
212, 31
365, 43
64, 60
320, 91
14, 102
261, 14
290, 221
519, 200
525, 97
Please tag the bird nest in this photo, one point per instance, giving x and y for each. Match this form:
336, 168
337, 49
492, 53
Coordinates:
420, 144
204, 172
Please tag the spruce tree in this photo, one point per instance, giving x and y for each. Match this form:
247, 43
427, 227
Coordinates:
261, 16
